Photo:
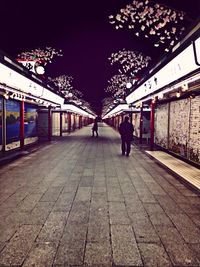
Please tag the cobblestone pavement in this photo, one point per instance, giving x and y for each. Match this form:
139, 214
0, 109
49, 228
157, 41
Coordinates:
78, 202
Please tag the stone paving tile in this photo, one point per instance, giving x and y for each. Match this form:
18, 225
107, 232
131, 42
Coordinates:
39, 214
160, 219
125, 250
99, 204
145, 233
189, 231
98, 228
154, 255
41, 255
70, 252
29, 202
93, 208
20, 244
16, 198
87, 181
51, 195
64, 202
7, 231
168, 204
79, 212
134, 206
177, 249
196, 219
83, 194
152, 208
118, 213
115, 194
98, 253
53, 227
189, 208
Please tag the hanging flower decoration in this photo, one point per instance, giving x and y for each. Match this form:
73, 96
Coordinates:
62, 82
131, 61
38, 55
107, 103
147, 19
64, 85
116, 83
118, 86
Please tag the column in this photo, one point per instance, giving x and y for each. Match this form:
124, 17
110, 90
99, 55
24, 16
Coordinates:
22, 124
61, 123
3, 124
152, 124
49, 123
141, 123
69, 121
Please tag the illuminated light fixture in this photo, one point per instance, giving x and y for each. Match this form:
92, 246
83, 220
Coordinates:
39, 69
184, 86
70, 95
128, 85
160, 96
192, 96
178, 94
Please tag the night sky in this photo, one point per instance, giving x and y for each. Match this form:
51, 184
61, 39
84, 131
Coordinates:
82, 31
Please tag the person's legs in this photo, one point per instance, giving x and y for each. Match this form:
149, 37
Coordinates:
123, 146
97, 133
128, 145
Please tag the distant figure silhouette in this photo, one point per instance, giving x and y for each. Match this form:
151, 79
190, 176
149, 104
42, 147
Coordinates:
95, 128
126, 131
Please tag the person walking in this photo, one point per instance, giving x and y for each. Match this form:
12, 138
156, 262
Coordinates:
95, 128
126, 131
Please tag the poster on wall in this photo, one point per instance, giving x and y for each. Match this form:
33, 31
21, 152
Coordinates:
12, 124
30, 122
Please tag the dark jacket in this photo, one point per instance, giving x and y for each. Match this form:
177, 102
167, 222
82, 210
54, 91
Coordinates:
95, 126
126, 130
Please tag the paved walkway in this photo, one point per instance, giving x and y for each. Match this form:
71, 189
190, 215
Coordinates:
185, 171
78, 202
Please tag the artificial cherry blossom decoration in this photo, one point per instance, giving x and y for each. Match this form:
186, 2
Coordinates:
147, 19
39, 55
117, 85
130, 60
64, 85
107, 103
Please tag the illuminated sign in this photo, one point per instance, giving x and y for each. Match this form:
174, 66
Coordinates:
181, 65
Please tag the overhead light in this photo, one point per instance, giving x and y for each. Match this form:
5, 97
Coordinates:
184, 86
128, 85
178, 94
160, 96
39, 69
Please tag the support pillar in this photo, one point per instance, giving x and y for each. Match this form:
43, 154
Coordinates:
22, 124
141, 124
152, 124
80, 122
61, 123
49, 123
3, 124
69, 121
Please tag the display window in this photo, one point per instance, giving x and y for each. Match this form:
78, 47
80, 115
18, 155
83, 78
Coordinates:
30, 124
12, 124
